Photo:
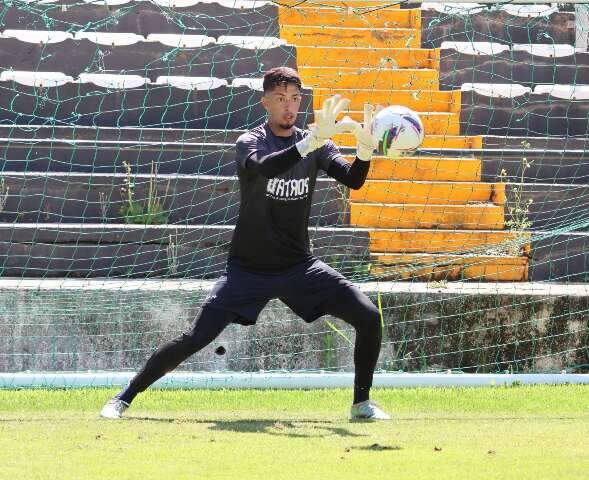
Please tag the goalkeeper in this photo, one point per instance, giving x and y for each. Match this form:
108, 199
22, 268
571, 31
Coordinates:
277, 165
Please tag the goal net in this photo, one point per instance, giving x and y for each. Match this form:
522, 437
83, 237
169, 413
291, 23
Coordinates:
119, 195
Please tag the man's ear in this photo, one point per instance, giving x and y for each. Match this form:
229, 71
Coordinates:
264, 101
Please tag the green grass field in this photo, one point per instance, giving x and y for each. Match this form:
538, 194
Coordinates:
539, 432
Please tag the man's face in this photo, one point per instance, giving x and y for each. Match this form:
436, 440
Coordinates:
282, 104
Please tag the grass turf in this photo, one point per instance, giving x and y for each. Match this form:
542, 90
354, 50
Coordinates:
538, 432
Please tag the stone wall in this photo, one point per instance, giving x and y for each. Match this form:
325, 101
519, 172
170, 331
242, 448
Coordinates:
116, 325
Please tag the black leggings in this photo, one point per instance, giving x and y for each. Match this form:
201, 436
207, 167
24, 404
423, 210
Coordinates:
350, 305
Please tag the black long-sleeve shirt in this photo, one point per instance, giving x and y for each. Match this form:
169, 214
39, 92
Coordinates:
276, 186
352, 175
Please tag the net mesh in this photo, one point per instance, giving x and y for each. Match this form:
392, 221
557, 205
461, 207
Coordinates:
118, 194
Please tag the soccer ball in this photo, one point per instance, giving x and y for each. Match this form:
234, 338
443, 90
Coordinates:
398, 129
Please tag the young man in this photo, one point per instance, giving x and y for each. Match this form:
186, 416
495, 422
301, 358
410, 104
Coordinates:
277, 165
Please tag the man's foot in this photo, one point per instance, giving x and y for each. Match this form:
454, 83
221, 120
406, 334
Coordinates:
368, 410
114, 409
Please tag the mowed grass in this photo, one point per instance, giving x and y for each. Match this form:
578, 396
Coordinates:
537, 432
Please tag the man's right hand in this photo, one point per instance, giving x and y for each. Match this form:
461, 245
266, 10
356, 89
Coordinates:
326, 126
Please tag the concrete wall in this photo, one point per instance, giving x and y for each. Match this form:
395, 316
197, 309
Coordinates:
56, 326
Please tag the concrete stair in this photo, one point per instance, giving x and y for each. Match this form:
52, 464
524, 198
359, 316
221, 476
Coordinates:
349, 17
336, 36
362, 57
377, 58
431, 268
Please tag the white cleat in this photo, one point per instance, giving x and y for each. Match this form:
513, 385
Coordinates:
368, 410
114, 409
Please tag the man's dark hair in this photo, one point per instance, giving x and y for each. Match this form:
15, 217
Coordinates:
281, 76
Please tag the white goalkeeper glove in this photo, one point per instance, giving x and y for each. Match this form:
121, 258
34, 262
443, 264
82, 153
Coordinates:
325, 125
365, 141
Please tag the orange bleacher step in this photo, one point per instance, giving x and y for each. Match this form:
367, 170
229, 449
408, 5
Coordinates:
430, 141
428, 193
434, 123
453, 141
424, 168
352, 37
425, 267
369, 78
447, 217
420, 101
449, 241
349, 17
360, 5
356, 57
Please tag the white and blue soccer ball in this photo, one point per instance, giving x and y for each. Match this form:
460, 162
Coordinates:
399, 131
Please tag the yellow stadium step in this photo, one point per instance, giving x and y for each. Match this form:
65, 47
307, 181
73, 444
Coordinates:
352, 37
368, 79
355, 57
427, 268
449, 241
424, 168
453, 141
429, 193
446, 217
434, 123
349, 17
420, 101
359, 5
430, 141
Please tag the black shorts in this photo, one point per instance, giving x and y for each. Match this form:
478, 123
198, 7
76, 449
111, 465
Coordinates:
303, 288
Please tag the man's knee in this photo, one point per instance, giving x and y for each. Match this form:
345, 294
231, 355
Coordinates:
373, 320
367, 321
187, 341
206, 327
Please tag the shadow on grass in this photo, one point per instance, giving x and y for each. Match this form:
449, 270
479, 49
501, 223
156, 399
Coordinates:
287, 428
375, 447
